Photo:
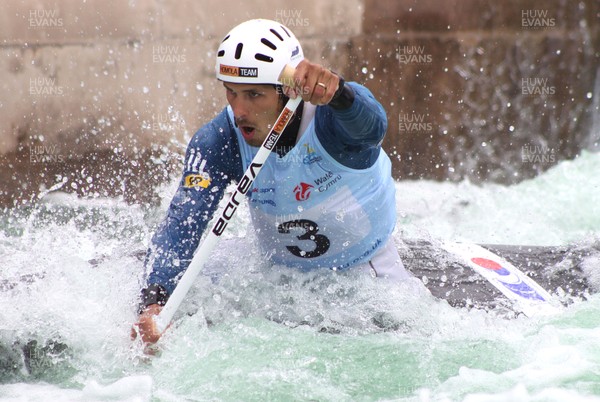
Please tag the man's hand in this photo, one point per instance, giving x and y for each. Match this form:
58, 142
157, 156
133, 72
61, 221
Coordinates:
146, 326
313, 83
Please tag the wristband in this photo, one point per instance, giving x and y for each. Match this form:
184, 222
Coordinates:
153, 294
343, 97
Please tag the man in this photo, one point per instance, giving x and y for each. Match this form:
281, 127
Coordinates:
324, 198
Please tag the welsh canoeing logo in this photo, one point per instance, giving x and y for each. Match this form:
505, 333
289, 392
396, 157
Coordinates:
311, 156
509, 279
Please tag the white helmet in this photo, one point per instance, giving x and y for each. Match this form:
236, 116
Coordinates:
256, 51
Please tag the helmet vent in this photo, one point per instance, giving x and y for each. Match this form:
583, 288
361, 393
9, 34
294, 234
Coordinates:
276, 34
238, 51
262, 57
268, 43
285, 30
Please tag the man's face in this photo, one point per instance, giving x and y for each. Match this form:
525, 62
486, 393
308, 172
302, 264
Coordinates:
255, 108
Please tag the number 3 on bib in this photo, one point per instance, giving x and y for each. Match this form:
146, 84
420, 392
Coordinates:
310, 233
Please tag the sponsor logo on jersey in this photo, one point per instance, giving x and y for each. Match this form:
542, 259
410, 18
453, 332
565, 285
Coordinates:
364, 255
196, 177
311, 156
258, 195
321, 184
302, 191
260, 190
194, 180
327, 181
234, 71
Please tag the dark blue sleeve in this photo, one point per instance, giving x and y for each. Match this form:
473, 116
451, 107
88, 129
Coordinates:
353, 136
212, 162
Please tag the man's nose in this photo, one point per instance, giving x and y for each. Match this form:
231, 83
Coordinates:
240, 109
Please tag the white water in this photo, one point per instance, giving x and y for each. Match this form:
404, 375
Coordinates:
264, 341
560, 206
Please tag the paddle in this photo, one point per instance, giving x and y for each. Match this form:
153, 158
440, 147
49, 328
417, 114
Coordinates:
203, 252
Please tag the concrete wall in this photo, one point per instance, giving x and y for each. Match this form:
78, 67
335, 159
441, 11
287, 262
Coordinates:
115, 88
481, 89
102, 96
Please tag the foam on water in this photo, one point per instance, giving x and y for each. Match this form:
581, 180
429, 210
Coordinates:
72, 272
557, 207
127, 389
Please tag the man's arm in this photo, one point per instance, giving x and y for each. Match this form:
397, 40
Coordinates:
352, 129
212, 162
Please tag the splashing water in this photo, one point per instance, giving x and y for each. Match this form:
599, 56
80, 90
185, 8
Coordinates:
72, 270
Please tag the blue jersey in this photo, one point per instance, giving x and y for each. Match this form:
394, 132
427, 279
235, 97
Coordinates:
327, 203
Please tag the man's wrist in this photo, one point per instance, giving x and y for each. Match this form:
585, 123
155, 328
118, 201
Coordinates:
153, 294
343, 97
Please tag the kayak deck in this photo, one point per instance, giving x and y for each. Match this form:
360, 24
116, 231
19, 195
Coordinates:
556, 269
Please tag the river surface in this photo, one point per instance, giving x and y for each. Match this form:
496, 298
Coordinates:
71, 272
